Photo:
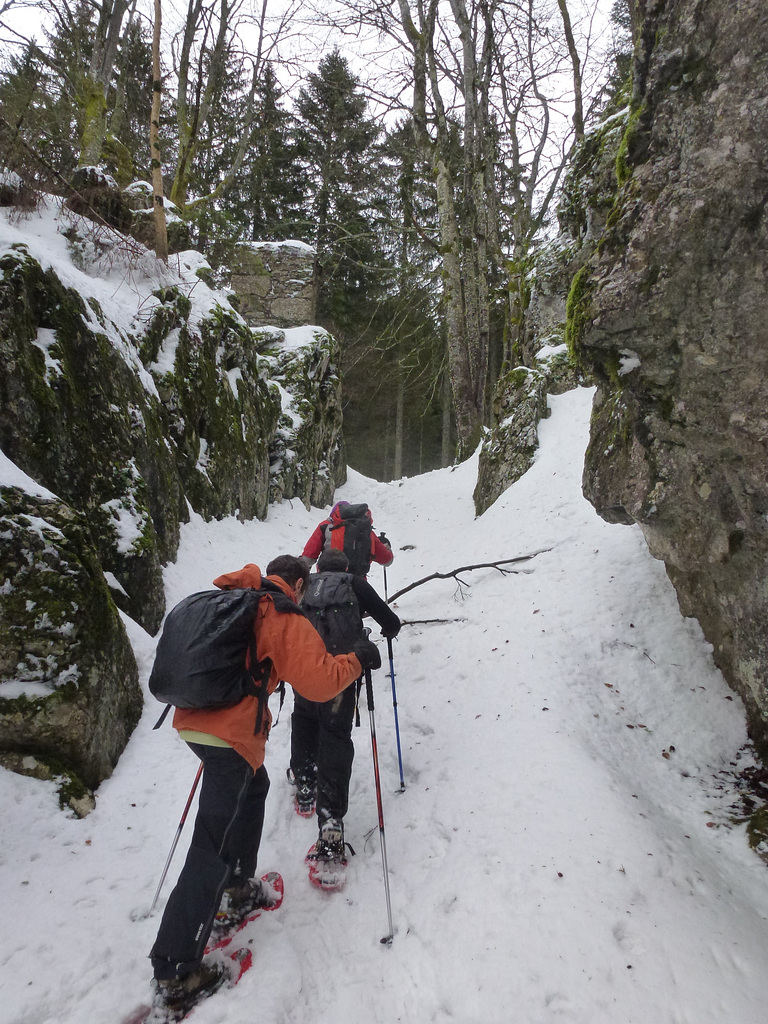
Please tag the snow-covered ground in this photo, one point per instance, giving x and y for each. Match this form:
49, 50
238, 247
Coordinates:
563, 850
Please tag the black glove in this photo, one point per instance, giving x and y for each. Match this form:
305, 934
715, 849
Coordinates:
391, 633
367, 654
385, 541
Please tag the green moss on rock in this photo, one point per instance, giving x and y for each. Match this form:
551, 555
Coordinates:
626, 146
68, 681
577, 311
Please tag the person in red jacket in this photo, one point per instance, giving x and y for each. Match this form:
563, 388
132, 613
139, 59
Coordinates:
349, 529
222, 857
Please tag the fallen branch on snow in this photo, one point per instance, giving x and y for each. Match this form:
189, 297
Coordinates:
454, 574
427, 622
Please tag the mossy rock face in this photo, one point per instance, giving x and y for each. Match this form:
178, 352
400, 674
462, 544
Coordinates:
560, 371
178, 234
307, 452
508, 448
274, 282
68, 680
559, 278
221, 413
141, 226
591, 184
676, 291
78, 414
74, 795
125, 423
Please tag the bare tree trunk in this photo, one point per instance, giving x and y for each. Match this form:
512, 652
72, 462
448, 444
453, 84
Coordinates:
578, 101
190, 123
399, 413
461, 343
118, 112
447, 448
476, 264
161, 231
468, 423
95, 83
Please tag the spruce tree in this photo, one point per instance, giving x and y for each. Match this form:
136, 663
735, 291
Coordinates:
274, 178
266, 198
130, 99
337, 141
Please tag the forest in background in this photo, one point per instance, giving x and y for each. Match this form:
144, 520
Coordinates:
419, 146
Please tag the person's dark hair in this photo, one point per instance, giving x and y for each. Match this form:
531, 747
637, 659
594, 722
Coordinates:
332, 560
289, 569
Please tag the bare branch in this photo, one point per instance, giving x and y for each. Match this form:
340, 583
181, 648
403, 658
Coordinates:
454, 573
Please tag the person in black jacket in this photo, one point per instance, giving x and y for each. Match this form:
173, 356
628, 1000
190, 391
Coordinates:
322, 750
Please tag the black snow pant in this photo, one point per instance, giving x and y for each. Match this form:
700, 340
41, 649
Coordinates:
223, 850
321, 745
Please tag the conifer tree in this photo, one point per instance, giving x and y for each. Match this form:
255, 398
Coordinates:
35, 109
337, 141
130, 101
274, 178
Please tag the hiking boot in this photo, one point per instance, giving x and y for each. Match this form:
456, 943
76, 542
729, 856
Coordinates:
306, 787
241, 900
326, 859
305, 798
330, 843
177, 993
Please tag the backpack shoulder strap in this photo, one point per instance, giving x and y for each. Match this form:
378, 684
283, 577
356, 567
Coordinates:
281, 601
261, 669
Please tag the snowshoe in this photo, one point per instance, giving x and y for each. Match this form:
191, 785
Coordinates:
243, 904
327, 860
175, 999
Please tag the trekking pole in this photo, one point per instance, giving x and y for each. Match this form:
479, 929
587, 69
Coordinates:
394, 697
394, 708
176, 837
387, 939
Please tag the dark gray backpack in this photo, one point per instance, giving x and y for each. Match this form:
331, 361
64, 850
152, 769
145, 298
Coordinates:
330, 604
200, 660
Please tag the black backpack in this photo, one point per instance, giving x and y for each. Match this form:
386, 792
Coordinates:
330, 604
200, 660
356, 524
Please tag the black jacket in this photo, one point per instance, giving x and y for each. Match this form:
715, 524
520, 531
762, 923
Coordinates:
371, 604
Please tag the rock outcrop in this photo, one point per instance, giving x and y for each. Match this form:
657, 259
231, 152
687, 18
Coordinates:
69, 696
509, 447
670, 316
307, 458
548, 365
126, 412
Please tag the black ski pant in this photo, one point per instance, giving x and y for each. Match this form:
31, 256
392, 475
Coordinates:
321, 743
223, 850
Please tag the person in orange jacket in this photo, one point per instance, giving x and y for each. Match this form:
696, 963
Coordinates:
222, 857
349, 529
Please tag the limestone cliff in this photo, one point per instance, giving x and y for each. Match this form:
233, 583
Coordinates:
670, 316
129, 392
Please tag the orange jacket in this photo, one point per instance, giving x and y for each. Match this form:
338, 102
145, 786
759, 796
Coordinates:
298, 656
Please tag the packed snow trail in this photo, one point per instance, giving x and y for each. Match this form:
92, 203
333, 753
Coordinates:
563, 852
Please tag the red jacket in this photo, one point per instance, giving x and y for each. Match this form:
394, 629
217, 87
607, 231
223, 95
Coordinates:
298, 656
314, 547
